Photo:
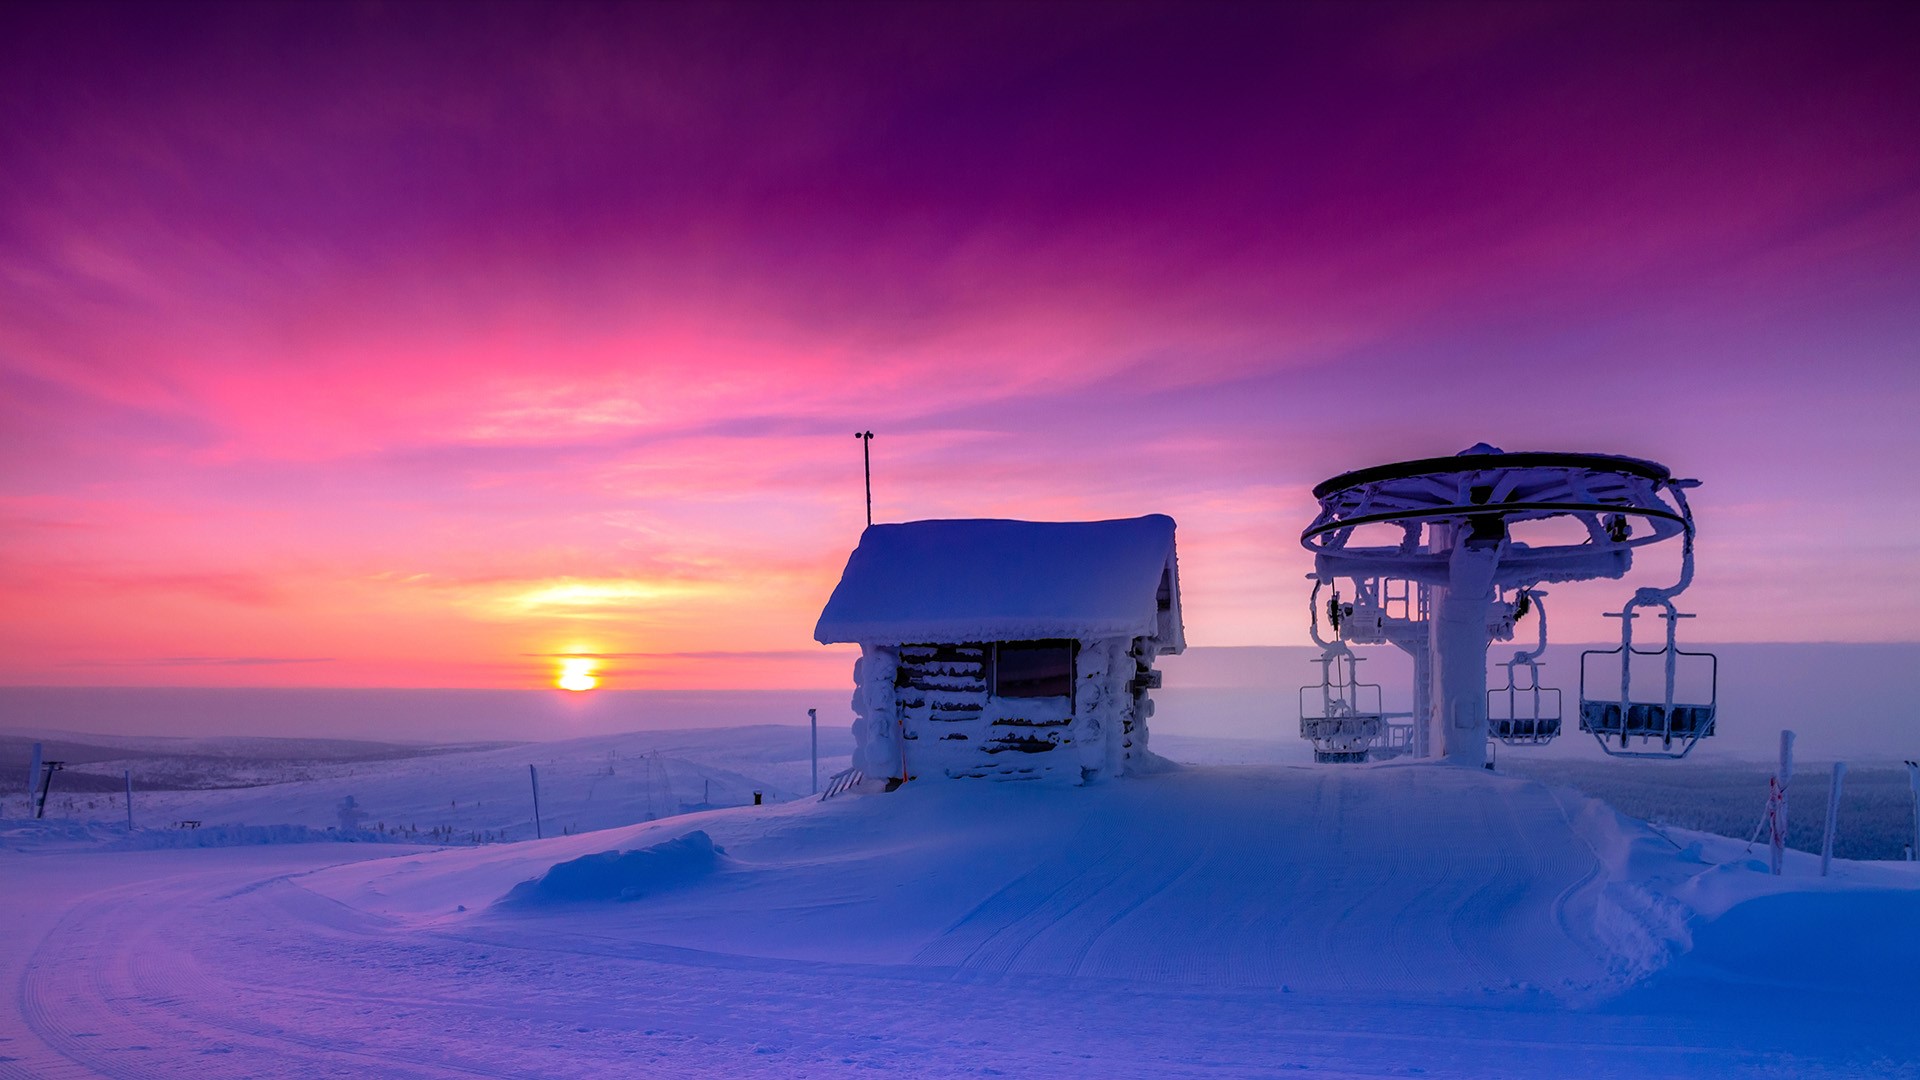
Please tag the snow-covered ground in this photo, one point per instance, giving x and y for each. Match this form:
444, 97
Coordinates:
1250, 920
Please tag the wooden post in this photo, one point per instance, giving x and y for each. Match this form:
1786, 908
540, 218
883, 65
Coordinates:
1833, 815
129, 800
1777, 804
813, 724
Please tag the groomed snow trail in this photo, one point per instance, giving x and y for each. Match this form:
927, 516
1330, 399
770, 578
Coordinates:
1214, 922
1407, 883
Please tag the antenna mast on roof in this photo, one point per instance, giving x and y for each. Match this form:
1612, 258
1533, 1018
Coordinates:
866, 467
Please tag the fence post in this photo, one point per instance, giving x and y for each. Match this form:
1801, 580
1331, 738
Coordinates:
1913, 782
1833, 815
534, 775
813, 724
1777, 804
129, 800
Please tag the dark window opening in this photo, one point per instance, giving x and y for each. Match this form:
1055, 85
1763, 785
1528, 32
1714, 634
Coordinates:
1033, 669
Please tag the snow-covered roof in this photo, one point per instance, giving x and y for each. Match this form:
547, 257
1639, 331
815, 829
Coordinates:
990, 580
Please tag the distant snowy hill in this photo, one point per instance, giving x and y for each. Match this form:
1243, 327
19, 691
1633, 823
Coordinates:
452, 792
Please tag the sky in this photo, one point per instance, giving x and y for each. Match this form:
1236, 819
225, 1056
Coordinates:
416, 345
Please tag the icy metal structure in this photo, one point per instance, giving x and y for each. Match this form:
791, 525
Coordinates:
1443, 556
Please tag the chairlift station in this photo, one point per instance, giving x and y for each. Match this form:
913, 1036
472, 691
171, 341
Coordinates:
1021, 650
1442, 557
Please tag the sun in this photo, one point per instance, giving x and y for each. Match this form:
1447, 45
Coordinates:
576, 673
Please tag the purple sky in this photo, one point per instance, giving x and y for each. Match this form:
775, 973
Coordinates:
405, 344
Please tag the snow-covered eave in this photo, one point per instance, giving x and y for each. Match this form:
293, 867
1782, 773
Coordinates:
967, 631
956, 581
1174, 641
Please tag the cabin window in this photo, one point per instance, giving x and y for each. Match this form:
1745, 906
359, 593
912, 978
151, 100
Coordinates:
1034, 669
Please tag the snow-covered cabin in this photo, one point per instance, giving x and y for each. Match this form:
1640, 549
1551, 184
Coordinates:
1006, 649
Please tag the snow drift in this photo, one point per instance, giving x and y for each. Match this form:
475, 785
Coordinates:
1419, 882
622, 875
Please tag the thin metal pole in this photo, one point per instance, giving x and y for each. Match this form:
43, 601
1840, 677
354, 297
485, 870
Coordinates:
534, 775
866, 467
129, 800
813, 722
1833, 816
46, 785
1913, 781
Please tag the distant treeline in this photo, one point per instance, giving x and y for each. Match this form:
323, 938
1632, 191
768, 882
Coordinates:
1876, 803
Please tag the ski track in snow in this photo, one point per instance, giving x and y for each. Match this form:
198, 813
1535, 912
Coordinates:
1387, 921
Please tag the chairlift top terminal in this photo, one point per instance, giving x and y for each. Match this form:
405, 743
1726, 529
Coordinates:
1461, 579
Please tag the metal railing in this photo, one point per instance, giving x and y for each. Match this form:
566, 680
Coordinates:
841, 781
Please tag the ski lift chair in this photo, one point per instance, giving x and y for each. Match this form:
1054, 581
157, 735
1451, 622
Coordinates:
1629, 724
1339, 715
1524, 713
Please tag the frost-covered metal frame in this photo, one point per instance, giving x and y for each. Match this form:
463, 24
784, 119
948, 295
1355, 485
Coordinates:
1605, 493
1617, 723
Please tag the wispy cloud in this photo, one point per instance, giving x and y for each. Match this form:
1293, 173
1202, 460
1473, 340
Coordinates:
204, 661
708, 654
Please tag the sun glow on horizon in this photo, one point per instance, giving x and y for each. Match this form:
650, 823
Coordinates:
576, 674
568, 595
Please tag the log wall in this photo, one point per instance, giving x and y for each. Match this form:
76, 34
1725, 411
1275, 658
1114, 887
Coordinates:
954, 726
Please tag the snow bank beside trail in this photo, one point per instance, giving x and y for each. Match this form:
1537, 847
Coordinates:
1630, 911
1692, 900
622, 875
1853, 940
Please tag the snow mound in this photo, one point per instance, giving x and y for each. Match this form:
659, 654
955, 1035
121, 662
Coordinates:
622, 875
1863, 940
1460, 883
